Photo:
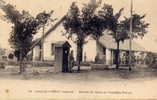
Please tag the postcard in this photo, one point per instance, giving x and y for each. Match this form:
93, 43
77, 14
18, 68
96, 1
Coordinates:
78, 50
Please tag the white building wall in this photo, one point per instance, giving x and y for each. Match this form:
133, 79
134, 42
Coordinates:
47, 51
99, 49
108, 56
90, 50
36, 53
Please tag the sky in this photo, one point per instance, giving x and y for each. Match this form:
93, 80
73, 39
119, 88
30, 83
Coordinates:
60, 8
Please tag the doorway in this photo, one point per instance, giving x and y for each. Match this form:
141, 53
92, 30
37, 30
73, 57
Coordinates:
65, 60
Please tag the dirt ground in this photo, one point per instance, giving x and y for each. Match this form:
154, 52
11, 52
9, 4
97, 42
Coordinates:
88, 84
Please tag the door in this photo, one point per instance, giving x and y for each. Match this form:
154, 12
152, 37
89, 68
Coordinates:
65, 59
114, 56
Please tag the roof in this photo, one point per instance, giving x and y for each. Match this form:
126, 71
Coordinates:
108, 42
37, 42
34, 41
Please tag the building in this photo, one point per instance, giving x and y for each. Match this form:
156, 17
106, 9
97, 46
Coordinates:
89, 49
105, 47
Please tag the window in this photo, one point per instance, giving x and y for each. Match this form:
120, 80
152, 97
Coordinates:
52, 49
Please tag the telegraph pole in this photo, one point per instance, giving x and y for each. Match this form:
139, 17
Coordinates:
130, 41
42, 45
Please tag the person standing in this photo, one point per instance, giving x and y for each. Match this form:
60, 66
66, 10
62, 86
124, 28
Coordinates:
85, 57
71, 61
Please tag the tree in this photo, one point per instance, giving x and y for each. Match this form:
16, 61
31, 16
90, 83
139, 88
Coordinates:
107, 20
24, 28
139, 25
120, 28
118, 31
122, 31
44, 20
79, 24
89, 22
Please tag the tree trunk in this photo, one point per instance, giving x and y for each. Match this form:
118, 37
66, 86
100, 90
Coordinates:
117, 56
21, 61
79, 54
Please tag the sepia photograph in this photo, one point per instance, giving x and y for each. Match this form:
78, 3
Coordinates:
78, 50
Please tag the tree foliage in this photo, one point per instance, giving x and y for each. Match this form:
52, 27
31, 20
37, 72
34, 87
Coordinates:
24, 28
121, 29
78, 22
139, 25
